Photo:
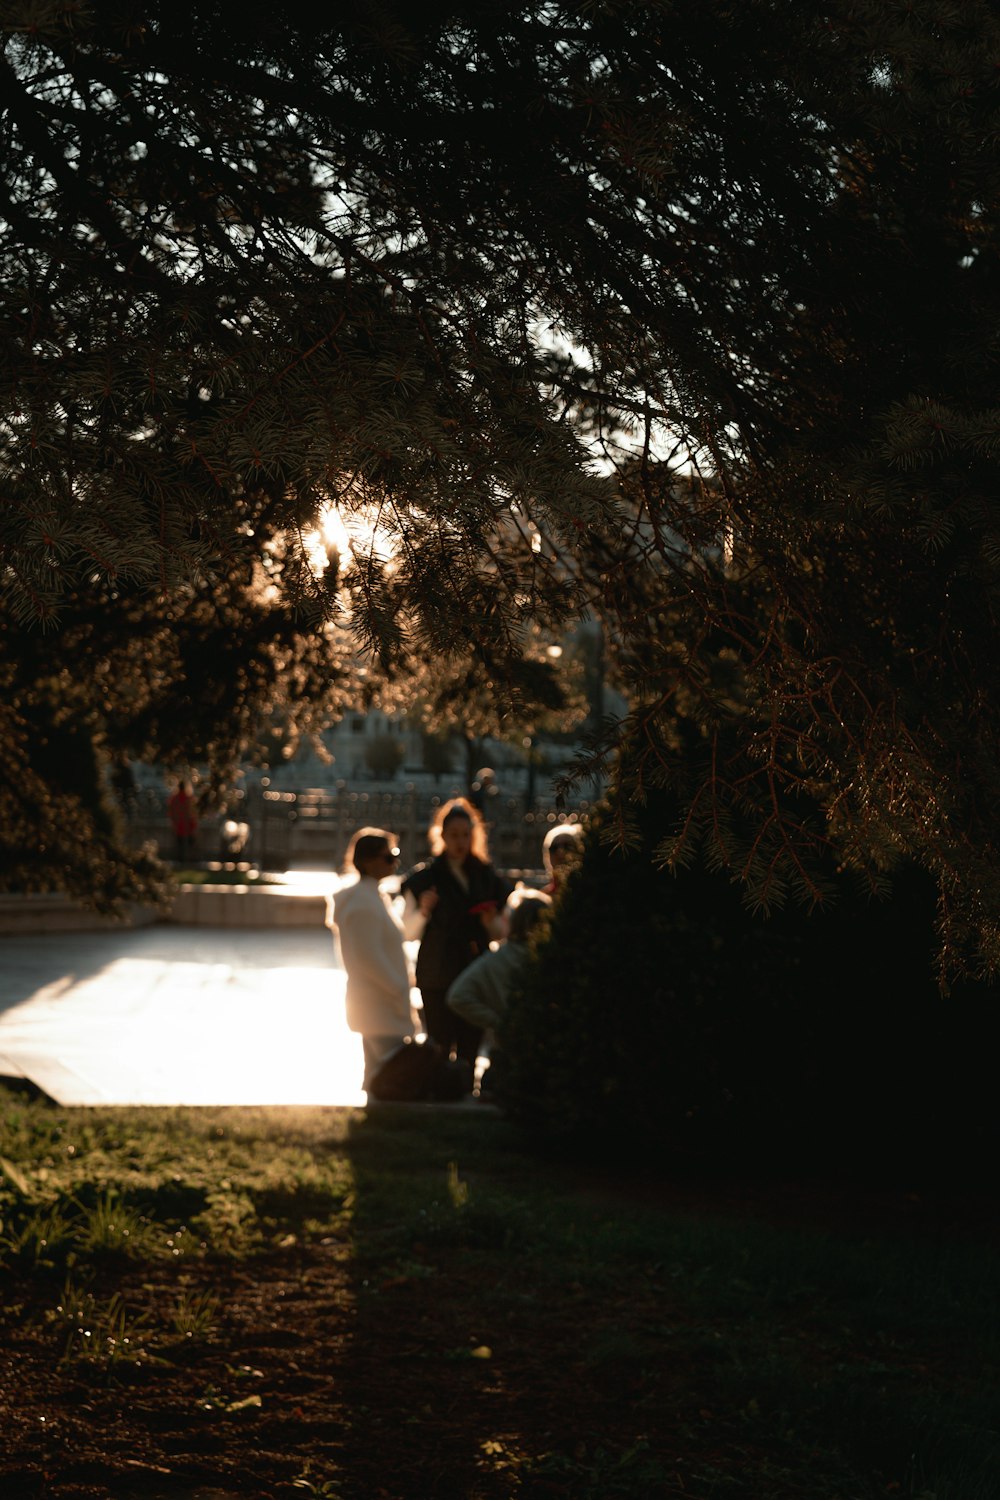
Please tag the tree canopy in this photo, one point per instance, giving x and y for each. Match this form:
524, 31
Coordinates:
698, 300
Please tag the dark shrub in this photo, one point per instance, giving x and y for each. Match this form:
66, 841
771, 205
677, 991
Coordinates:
661, 1018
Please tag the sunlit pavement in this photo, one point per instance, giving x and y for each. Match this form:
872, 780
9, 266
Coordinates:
178, 1015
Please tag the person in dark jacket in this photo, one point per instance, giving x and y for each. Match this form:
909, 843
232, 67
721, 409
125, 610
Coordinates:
454, 904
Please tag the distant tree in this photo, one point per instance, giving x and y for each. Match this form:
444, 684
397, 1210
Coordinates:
502, 699
384, 755
437, 753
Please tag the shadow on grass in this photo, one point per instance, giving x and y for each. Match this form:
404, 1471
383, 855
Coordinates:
412, 1302
648, 1337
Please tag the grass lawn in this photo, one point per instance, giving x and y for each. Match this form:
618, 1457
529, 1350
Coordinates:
214, 1303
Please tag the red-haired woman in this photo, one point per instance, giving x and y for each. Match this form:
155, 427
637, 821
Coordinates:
454, 905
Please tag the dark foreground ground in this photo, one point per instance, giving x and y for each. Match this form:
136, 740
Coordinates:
208, 1304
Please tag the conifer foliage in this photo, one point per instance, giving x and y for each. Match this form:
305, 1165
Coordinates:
699, 298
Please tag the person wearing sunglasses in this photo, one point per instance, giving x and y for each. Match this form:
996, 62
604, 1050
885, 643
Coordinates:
371, 950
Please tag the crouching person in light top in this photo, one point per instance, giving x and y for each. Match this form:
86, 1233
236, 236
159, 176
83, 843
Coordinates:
481, 993
371, 950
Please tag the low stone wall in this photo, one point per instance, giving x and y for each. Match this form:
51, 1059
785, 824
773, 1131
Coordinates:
192, 905
45, 911
245, 906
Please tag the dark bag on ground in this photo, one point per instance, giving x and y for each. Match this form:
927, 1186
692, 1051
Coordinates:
419, 1070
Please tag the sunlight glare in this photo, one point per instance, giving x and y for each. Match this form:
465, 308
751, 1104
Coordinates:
356, 533
335, 534
139, 1031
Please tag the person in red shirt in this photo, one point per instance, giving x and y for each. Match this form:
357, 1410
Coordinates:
183, 820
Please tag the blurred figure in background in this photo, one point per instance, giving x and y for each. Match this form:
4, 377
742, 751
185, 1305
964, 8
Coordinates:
123, 785
562, 849
482, 790
183, 820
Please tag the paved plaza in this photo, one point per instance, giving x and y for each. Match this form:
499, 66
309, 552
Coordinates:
178, 1015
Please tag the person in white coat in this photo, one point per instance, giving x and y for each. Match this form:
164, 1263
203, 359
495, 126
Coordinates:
371, 950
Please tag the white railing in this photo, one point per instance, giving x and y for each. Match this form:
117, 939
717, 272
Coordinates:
315, 827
